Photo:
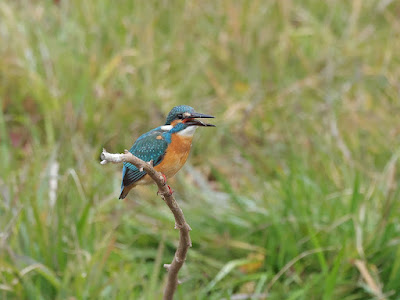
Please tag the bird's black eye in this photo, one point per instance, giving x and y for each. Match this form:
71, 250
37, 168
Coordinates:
180, 116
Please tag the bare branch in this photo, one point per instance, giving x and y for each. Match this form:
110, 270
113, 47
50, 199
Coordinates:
167, 196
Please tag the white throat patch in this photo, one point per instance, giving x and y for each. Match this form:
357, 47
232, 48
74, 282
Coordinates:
189, 131
166, 127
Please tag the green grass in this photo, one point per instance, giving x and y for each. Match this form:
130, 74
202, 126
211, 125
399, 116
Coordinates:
298, 182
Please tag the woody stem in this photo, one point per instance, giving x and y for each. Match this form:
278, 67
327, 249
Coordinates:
180, 222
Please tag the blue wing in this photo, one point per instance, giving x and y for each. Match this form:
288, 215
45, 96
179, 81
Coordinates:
149, 146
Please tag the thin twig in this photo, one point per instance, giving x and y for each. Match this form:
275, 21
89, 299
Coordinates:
167, 196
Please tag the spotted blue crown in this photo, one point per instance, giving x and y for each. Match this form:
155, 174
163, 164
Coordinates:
176, 111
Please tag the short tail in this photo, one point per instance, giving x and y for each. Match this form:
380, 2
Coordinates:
125, 190
123, 193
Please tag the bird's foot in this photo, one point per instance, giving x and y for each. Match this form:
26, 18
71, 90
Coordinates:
165, 179
171, 191
164, 182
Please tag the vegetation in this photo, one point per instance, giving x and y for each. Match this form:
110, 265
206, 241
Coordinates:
295, 195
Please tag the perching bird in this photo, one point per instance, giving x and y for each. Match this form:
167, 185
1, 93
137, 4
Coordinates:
167, 146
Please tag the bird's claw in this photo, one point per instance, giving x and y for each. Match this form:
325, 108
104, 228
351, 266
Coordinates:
164, 182
171, 191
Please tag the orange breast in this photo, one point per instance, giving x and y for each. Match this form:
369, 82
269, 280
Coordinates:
175, 156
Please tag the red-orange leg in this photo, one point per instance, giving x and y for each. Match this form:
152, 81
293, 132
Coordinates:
165, 179
170, 190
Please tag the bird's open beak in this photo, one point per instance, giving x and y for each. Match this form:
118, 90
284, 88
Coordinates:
191, 120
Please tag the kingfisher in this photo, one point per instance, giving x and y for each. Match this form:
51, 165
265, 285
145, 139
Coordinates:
166, 146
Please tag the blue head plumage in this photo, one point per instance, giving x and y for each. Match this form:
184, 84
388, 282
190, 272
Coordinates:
177, 113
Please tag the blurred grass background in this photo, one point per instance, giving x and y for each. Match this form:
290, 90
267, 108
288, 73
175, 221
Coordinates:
295, 195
